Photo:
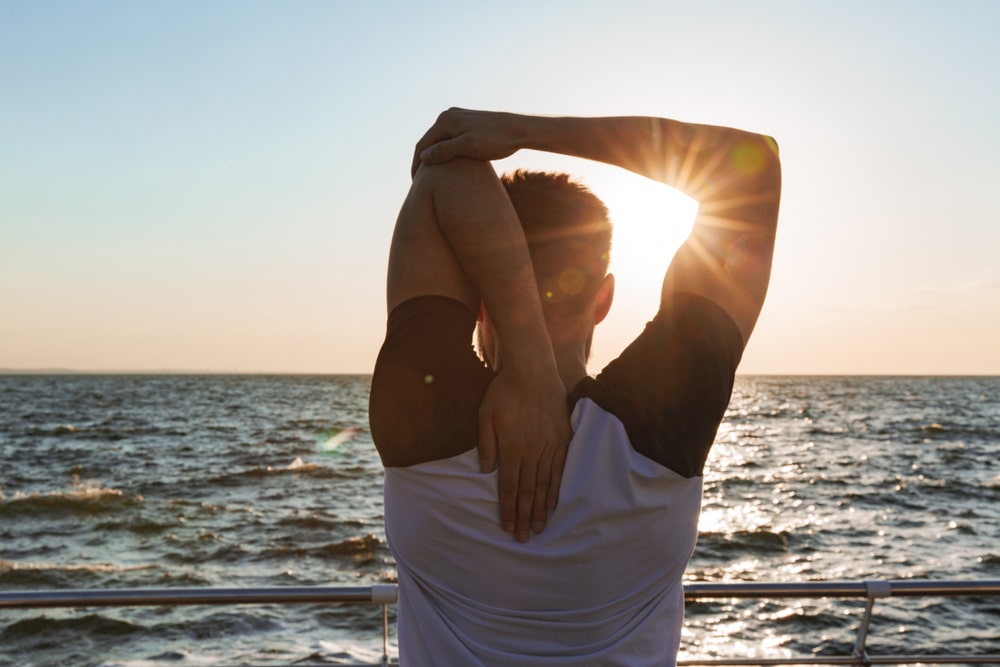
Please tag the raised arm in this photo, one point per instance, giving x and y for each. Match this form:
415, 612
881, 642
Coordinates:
458, 236
734, 175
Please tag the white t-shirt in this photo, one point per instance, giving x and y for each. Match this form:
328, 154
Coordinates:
602, 583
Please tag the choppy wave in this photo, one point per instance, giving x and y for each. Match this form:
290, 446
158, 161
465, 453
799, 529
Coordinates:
54, 631
82, 498
52, 575
179, 481
362, 548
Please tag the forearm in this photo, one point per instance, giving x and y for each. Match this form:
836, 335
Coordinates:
523, 424
720, 167
458, 236
735, 176
679, 154
479, 223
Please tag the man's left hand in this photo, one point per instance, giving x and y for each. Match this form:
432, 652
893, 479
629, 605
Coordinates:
524, 426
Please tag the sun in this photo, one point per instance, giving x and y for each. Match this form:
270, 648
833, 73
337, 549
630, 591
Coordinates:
651, 220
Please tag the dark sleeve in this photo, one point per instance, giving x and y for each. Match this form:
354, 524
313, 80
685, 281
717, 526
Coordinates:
428, 383
671, 386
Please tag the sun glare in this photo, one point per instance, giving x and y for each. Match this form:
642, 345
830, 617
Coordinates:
651, 220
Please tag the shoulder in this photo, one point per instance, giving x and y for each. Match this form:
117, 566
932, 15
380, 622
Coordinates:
671, 386
427, 384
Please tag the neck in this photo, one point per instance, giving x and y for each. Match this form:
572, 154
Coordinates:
572, 364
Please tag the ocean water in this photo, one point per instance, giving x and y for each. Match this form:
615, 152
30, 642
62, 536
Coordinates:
176, 481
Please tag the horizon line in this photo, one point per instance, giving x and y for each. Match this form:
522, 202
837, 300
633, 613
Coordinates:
75, 371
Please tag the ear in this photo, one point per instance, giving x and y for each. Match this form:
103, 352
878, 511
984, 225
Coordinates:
605, 295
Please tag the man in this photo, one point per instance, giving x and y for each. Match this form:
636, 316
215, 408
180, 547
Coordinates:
612, 515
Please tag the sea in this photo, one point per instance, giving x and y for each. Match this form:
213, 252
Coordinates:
131, 481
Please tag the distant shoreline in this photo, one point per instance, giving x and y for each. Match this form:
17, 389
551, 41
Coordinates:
71, 371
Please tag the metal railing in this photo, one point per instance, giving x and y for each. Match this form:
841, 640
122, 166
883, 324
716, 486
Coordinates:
383, 594
386, 594
869, 590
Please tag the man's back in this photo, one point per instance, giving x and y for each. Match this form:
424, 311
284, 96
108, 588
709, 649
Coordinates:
600, 584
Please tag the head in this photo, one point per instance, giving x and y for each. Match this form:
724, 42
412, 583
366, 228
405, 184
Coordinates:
569, 237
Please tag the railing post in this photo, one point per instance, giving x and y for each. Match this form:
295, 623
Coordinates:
385, 635
386, 594
874, 589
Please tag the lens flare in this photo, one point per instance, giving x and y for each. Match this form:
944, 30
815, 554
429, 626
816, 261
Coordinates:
329, 445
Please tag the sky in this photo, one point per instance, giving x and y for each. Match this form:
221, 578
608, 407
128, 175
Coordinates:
195, 186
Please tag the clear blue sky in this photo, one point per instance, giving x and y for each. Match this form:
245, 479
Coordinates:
212, 186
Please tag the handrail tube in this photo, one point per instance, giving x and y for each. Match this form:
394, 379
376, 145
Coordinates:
987, 659
386, 593
130, 597
838, 589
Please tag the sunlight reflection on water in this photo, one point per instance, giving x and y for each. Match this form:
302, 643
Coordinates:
844, 478
245, 481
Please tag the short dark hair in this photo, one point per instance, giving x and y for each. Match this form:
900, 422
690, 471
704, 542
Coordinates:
568, 231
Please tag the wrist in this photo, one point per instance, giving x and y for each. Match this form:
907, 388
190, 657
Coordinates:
530, 131
534, 368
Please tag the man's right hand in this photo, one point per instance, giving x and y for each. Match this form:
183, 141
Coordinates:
482, 135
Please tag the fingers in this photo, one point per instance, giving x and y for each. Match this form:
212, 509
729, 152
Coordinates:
463, 133
508, 485
441, 131
524, 488
431, 137
540, 509
528, 436
442, 151
522, 497
525, 501
487, 445
436, 151
555, 478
